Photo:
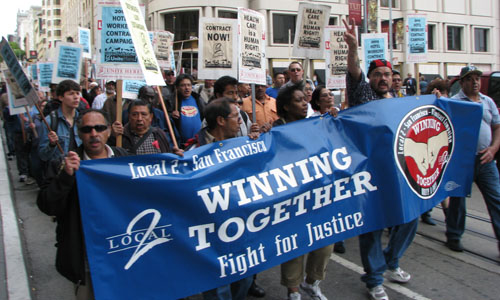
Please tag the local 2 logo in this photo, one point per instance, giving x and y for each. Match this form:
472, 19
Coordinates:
423, 148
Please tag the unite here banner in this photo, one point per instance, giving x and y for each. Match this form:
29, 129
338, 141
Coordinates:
166, 227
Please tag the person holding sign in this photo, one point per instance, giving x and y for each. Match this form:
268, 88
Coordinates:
62, 123
375, 261
265, 108
59, 197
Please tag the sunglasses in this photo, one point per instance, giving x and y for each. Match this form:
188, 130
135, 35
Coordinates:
88, 129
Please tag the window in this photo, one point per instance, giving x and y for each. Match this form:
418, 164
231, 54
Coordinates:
57, 2
281, 25
227, 14
333, 21
454, 38
385, 3
481, 39
57, 33
57, 12
57, 22
184, 24
431, 33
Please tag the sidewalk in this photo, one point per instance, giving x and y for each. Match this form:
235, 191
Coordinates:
15, 285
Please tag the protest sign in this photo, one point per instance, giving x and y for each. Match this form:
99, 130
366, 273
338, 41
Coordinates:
259, 203
416, 37
116, 53
252, 47
336, 57
13, 108
218, 44
16, 95
34, 72
45, 75
17, 72
130, 88
309, 35
142, 43
374, 47
84, 40
68, 64
163, 45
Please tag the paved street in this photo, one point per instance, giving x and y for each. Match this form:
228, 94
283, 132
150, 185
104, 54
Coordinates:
437, 273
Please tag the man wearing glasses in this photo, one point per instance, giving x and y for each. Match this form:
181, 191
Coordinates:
375, 260
296, 73
59, 197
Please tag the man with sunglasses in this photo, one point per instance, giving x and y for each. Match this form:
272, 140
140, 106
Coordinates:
58, 197
296, 73
375, 260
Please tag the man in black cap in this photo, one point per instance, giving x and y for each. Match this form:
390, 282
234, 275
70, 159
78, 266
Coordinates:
485, 170
375, 260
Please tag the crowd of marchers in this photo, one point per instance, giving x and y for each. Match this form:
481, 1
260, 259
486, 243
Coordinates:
82, 124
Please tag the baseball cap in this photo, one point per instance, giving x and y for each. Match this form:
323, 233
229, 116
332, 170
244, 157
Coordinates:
466, 71
93, 84
378, 63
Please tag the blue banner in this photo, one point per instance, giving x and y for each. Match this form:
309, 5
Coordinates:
68, 62
165, 227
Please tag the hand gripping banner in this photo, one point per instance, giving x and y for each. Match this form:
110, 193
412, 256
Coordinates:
164, 227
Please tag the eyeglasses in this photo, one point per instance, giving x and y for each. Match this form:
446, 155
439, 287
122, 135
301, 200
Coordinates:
296, 70
238, 116
379, 75
88, 129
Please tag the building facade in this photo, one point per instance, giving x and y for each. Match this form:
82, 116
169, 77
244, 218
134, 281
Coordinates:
460, 32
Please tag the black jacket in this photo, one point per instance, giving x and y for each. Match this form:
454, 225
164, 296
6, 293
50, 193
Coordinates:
58, 197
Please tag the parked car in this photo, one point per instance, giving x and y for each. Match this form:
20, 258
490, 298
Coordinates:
490, 86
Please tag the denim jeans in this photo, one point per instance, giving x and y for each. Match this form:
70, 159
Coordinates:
375, 260
487, 179
237, 290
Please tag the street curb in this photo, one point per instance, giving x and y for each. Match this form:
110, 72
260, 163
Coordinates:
17, 278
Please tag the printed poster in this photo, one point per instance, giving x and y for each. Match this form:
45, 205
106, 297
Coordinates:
131, 88
163, 45
45, 75
68, 62
84, 40
355, 8
116, 53
17, 72
16, 95
416, 36
336, 57
374, 47
218, 44
142, 43
309, 37
252, 47
15, 109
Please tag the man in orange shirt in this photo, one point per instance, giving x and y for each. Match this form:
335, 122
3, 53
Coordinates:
265, 108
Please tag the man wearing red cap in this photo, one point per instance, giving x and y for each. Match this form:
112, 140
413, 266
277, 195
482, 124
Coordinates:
375, 260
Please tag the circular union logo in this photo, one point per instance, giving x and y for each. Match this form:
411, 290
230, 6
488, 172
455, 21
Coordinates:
423, 148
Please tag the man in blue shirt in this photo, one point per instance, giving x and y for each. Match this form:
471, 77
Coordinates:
278, 81
485, 170
188, 111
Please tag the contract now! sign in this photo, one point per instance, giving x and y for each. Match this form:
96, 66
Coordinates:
165, 227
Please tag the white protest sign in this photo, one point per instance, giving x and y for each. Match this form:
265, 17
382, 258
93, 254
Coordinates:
142, 42
68, 62
416, 38
163, 45
252, 47
84, 40
309, 37
218, 44
336, 57
16, 95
